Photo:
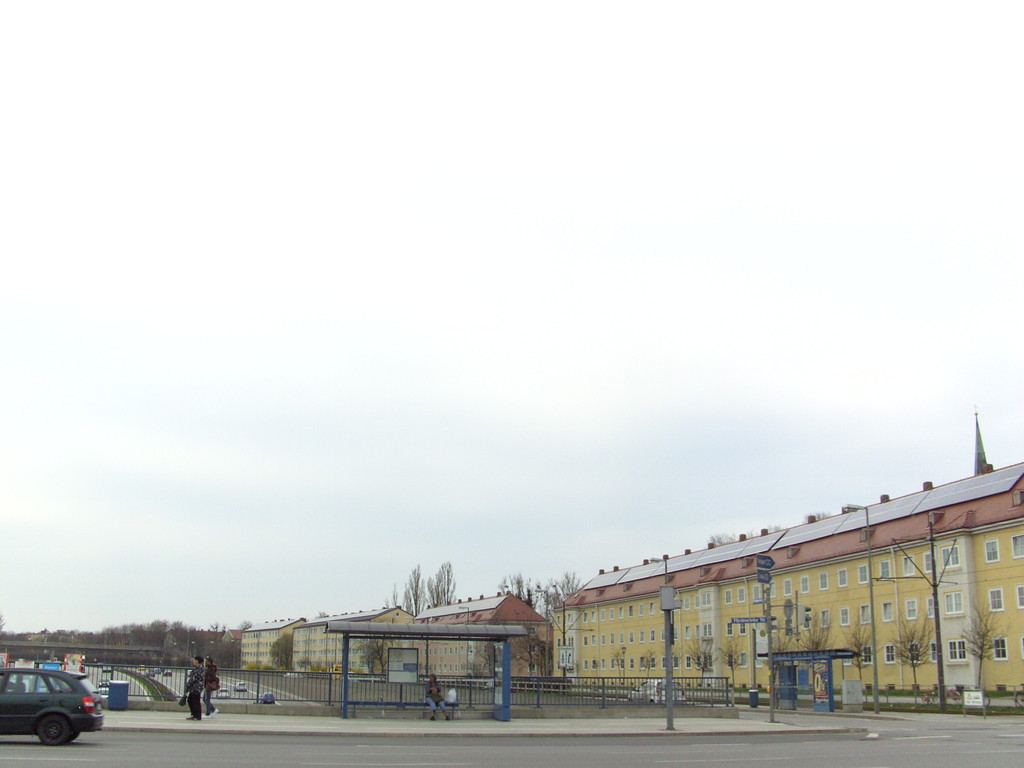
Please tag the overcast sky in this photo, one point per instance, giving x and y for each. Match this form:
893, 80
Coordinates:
298, 296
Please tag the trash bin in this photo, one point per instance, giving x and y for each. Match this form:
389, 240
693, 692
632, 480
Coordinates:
117, 698
754, 696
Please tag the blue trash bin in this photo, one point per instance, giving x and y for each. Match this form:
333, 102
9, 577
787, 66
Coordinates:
754, 697
117, 698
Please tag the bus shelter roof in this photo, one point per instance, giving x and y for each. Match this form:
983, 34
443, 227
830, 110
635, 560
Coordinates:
427, 631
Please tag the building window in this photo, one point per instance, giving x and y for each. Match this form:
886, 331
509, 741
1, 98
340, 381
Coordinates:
632, 663
841, 577
951, 556
805, 584
844, 616
620, 611
686, 602
890, 653
862, 574
584, 641
741, 594
865, 614
728, 597
908, 566
641, 609
911, 609
865, 654
707, 630
743, 658
602, 638
630, 638
743, 629
705, 599
650, 607
995, 599
630, 612
927, 562
885, 569
887, 614
958, 650
652, 635
603, 615
686, 632
823, 581
954, 603
999, 649
1018, 545
1020, 595
787, 587
933, 652
825, 618
584, 617
992, 551
930, 607
728, 628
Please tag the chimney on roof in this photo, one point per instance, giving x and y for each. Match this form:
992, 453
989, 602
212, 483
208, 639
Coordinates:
986, 469
743, 537
812, 518
481, 597
883, 498
646, 561
615, 568
927, 485
600, 571
764, 531
686, 552
711, 545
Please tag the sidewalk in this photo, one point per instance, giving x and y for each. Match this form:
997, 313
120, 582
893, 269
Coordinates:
747, 725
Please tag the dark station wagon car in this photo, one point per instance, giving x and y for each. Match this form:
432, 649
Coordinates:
55, 706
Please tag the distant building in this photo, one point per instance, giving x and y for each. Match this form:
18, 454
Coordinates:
257, 640
530, 654
316, 650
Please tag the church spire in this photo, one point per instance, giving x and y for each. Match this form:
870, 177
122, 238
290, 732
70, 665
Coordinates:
980, 462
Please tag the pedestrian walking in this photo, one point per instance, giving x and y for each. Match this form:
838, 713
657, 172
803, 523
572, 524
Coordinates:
194, 687
211, 683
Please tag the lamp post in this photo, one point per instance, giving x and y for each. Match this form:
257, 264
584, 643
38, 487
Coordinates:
871, 603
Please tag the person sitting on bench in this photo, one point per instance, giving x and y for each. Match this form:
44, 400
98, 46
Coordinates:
435, 698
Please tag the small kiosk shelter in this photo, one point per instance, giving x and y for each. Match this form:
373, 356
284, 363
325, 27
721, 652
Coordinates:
499, 634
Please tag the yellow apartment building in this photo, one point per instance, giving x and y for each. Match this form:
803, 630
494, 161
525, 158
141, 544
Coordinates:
258, 639
952, 552
314, 649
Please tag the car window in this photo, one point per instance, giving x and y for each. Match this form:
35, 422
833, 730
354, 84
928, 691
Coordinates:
60, 685
25, 682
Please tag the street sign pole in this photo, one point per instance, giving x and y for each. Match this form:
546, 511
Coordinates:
771, 658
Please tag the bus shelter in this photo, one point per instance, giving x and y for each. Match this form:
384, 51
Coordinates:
807, 669
405, 668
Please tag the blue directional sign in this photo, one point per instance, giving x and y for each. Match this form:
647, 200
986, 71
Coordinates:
766, 562
763, 576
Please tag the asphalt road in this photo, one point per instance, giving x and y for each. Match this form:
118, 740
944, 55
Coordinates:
945, 742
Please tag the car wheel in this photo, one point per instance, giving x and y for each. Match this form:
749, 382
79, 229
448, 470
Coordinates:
53, 730
74, 735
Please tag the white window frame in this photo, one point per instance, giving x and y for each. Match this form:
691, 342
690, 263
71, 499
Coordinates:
992, 551
995, 599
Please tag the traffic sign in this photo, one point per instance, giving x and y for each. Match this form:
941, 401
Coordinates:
765, 561
748, 619
763, 576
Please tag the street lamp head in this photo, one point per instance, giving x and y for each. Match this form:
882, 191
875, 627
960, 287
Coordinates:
848, 508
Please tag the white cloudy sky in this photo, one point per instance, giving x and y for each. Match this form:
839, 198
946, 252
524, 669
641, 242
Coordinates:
297, 296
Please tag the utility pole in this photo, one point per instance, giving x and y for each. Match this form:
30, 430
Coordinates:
941, 673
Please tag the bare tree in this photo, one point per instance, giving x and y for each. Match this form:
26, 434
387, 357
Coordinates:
911, 644
816, 637
441, 586
701, 651
526, 589
729, 652
858, 637
415, 598
979, 633
557, 591
393, 602
281, 651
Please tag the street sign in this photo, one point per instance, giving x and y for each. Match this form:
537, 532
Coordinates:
748, 620
759, 600
763, 576
765, 561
